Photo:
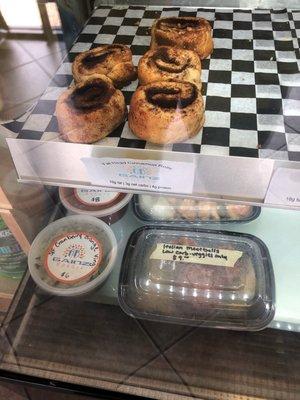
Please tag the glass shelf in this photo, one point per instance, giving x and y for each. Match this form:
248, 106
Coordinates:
232, 159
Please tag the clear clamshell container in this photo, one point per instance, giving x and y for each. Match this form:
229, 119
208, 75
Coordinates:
72, 255
198, 277
170, 209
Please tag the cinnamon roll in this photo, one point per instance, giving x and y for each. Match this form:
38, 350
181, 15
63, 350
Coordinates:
169, 63
166, 112
190, 33
114, 61
90, 110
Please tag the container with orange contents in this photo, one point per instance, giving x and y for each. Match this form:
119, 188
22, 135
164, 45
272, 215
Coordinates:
109, 206
72, 255
197, 277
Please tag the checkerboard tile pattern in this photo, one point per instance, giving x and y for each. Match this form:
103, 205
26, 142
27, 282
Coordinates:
251, 82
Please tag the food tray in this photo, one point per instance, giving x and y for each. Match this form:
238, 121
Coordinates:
145, 215
197, 277
251, 82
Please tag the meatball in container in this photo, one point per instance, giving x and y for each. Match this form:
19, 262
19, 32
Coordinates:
103, 204
72, 255
170, 209
198, 277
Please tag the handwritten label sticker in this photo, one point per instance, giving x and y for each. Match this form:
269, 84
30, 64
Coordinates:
95, 197
196, 254
151, 175
73, 257
284, 187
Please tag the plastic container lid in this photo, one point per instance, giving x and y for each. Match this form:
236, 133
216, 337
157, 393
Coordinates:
72, 255
95, 202
170, 209
197, 277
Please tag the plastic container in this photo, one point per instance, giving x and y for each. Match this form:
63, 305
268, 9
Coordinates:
198, 277
72, 255
170, 209
109, 206
13, 261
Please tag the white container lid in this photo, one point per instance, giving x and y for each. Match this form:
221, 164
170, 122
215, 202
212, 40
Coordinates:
72, 199
72, 255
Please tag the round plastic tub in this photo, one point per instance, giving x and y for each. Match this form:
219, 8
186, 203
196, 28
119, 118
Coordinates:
108, 206
72, 255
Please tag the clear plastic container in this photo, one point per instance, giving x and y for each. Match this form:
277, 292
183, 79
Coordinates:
170, 209
13, 261
72, 255
198, 277
109, 206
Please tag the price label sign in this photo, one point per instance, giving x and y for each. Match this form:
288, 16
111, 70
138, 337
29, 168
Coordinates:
284, 188
139, 175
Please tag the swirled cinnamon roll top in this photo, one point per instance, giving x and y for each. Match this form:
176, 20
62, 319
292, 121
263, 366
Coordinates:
193, 33
169, 63
171, 95
90, 110
91, 95
182, 24
114, 61
166, 112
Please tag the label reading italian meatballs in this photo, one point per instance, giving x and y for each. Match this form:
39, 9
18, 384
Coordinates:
196, 254
147, 175
95, 197
73, 257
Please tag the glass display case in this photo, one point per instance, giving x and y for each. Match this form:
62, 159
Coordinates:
149, 199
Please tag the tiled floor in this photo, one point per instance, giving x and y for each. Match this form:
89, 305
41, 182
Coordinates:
26, 68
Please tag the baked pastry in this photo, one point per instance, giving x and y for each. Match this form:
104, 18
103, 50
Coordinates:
238, 211
113, 61
166, 112
208, 211
90, 110
169, 63
192, 33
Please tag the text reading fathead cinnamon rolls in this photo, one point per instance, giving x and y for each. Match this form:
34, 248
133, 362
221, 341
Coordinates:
192, 33
90, 110
169, 63
166, 112
113, 61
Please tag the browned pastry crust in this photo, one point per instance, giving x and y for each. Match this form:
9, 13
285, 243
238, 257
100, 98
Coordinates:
90, 110
169, 63
192, 33
113, 61
166, 112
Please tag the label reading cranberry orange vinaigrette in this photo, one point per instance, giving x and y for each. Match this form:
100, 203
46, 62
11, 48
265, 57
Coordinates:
73, 256
95, 197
